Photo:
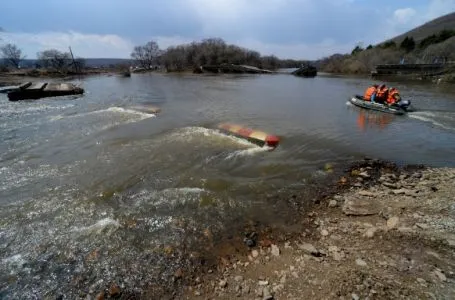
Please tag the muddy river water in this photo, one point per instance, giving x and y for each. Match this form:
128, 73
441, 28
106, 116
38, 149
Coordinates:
93, 191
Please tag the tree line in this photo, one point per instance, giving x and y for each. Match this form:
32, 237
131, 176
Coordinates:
212, 51
51, 59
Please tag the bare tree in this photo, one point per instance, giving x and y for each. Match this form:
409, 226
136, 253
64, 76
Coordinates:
54, 59
147, 54
12, 54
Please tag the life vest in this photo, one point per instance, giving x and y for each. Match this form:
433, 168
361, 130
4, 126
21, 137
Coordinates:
391, 97
369, 92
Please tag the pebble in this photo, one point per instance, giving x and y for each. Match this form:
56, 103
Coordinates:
263, 282
324, 232
287, 245
266, 295
222, 283
355, 297
295, 275
422, 281
392, 222
254, 253
390, 185
278, 288
308, 248
440, 275
333, 203
367, 193
360, 262
360, 207
238, 278
275, 250
400, 191
369, 233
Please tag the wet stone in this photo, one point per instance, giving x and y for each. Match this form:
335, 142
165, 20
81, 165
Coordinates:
360, 207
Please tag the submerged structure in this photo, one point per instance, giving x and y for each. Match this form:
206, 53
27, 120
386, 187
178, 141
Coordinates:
306, 71
42, 90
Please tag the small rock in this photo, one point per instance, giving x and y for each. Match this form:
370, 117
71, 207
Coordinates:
390, 185
440, 275
324, 232
266, 295
400, 192
333, 203
263, 282
360, 262
275, 250
283, 279
246, 289
222, 283
114, 291
360, 207
278, 288
295, 275
422, 281
259, 292
238, 278
355, 297
367, 193
392, 222
254, 253
197, 293
309, 248
369, 233
287, 245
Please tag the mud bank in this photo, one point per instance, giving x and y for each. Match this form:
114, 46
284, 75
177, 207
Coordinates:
379, 232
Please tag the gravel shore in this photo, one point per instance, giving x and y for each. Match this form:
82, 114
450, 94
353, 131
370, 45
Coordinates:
388, 233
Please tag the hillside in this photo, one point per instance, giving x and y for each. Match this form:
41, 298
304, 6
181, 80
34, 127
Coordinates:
431, 42
429, 28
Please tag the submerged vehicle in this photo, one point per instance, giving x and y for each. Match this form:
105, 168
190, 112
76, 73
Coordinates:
398, 108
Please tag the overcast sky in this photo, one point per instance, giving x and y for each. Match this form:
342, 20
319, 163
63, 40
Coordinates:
302, 29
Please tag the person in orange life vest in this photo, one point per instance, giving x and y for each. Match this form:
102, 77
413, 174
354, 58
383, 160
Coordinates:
370, 93
381, 94
393, 96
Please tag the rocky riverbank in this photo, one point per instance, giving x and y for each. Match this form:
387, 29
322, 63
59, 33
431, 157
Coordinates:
387, 233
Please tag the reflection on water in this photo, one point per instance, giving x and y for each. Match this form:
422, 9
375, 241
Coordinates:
368, 119
99, 188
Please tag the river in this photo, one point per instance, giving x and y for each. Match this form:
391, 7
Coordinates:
95, 192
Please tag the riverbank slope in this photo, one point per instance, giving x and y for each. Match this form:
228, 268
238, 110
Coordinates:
390, 235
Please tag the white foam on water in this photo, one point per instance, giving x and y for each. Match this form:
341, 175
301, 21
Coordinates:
15, 264
428, 117
144, 115
15, 259
248, 152
100, 226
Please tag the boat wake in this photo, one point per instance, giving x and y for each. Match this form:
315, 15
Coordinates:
440, 119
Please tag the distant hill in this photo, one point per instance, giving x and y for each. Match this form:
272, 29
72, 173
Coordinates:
431, 42
429, 28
